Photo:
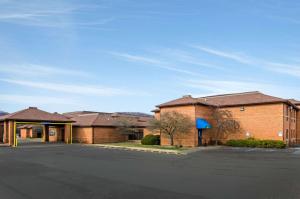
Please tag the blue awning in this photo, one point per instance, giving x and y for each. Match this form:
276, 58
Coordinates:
202, 124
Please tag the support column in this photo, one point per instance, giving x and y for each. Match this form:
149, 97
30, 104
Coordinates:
11, 136
68, 133
45, 133
5, 133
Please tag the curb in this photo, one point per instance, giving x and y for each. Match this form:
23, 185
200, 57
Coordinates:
161, 151
207, 148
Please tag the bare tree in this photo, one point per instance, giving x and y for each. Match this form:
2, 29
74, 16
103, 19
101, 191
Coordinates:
224, 124
126, 125
171, 123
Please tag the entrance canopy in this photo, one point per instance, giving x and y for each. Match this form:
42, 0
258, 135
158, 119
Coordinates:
35, 116
202, 124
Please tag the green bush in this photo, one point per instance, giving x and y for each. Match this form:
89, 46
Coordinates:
254, 143
151, 140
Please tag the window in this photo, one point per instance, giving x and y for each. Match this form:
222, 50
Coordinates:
287, 134
294, 133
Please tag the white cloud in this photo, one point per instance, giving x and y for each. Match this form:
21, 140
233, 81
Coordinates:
282, 68
71, 88
289, 69
49, 13
223, 86
40, 70
137, 58
35, 100
229, 55
153, 62
212, 87
184, 57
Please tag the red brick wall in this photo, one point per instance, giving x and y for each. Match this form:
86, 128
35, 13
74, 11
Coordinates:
185, 139
23, 133
108, 135
298, 128
204, 112
83, 135
57, 134
289, 124
148, 132
259, 121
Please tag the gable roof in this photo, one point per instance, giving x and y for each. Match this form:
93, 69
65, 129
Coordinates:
33, 114
106, 119
296, 102
227, 100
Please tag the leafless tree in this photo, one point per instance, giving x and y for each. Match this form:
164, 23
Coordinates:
171, 123
224, 124
126, 125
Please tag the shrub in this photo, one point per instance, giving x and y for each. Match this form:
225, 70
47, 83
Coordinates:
254, 143
151, 140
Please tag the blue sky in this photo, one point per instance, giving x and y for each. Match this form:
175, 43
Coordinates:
130, 55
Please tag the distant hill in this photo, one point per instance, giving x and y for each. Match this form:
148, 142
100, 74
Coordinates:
3, 113
138, 114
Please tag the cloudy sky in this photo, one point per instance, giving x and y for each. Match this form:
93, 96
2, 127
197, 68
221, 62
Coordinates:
130, 55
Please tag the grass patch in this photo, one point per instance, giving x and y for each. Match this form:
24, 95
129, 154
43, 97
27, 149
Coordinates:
133, 144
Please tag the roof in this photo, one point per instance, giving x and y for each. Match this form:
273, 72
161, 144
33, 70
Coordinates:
155, 110
34, 114
106, 119
74, 113
294, 101
28, 126
235, 99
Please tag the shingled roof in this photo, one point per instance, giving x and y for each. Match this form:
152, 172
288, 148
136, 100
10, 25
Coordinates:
296, 102
227, 100
85, 119
33, 114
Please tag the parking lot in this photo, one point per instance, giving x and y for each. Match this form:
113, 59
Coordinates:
75, 171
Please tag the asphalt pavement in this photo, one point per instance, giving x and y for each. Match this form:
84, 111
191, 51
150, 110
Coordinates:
76, 171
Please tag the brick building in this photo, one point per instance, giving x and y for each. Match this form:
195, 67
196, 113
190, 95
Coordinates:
55, 127
96, 127
260, 116
30, 131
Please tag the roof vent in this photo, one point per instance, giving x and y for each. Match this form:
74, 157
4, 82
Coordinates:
32, 107
186, 96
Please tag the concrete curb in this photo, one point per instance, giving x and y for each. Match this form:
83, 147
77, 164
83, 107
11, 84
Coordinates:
206, 148
163, 151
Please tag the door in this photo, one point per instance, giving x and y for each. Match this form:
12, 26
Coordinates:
1, 134
199, 137
62, 134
